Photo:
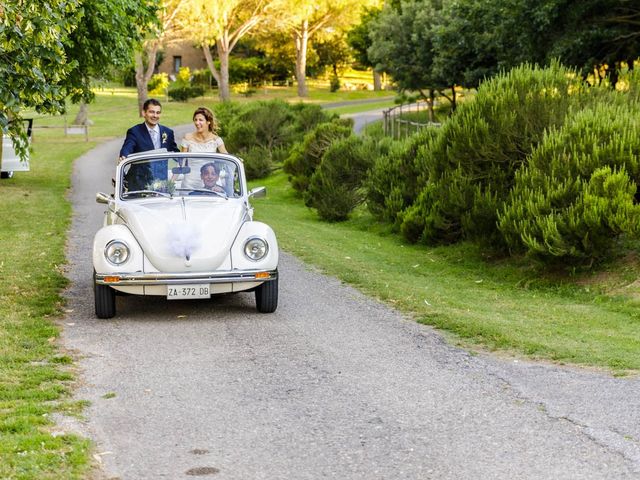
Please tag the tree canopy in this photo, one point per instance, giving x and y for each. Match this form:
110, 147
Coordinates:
434, 43
305, 19
402, 44
221, 23
49, 51
33, 61
359, 39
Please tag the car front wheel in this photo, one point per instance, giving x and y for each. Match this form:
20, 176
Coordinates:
105, 299
267, 297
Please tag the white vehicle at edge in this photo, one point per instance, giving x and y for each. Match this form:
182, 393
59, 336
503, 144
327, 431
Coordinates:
10, 161
160, 238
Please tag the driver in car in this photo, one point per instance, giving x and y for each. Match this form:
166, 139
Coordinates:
210, 175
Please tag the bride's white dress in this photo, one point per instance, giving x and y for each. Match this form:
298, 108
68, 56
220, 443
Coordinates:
192, 179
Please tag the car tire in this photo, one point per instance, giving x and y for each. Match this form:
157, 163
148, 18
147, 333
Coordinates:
267, 296
105, 299
6, 174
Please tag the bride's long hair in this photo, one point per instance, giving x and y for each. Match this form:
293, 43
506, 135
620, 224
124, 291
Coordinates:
208, 114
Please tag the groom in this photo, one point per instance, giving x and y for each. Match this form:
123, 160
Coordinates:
149, 135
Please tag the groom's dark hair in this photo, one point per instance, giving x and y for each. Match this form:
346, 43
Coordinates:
151, 101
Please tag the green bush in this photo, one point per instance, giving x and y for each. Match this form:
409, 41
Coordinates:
240, 135
265, 131
273, 124
576, 196
306, 156
247, 70
182, 90
225, 113
245, 89
182, 94
251, 70
631, 80
335, 188
308, 116
469, 167
183, 77
201, 77
158, 84
279, 155
392, 183
273, 121
257, 162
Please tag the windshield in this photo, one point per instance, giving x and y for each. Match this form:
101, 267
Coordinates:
180, 177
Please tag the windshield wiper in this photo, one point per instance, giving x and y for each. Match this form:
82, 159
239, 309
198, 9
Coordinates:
145, 192
204, 191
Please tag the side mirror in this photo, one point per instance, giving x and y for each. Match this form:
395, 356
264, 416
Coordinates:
102, 198
258, 192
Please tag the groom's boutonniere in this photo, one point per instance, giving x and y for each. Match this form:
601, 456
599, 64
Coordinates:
164, 137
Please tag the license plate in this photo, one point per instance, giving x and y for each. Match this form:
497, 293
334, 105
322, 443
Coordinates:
180, 292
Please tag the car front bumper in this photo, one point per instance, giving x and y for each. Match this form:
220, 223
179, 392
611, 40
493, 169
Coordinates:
158, 278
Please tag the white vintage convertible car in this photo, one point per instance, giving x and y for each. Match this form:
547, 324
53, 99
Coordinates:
180, 226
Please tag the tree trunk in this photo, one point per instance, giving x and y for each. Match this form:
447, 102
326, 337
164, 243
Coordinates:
430, 102
453, 98
377, 81
302, 39
223, 55
214, 71
82, 118
143, 75
143, 95
614, 76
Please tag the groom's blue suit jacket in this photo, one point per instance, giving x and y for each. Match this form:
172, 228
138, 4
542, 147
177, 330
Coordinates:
138, 140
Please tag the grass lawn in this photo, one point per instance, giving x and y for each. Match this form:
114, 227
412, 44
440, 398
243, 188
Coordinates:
501, 305
35, 374
490, 304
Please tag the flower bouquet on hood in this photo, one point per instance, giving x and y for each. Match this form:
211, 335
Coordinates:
162, 186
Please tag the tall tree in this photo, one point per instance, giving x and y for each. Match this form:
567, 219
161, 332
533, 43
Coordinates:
402, 45
221, 23
595, 34
279, 53
303, 19
146, 55
466, 44
485, 36
104, 38
33, 63
360, 41
333, 52
50, 50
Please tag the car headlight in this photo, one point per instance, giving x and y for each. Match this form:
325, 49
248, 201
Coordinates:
255, 248
116, 252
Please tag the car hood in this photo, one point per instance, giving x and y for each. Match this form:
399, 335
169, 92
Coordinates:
184, 234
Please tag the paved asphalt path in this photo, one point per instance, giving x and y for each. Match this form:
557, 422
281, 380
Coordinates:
332, 385
361, 119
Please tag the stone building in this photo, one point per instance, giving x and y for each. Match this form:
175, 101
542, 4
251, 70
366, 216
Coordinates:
181, 53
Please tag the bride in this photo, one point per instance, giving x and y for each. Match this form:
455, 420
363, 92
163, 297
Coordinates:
204, 139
